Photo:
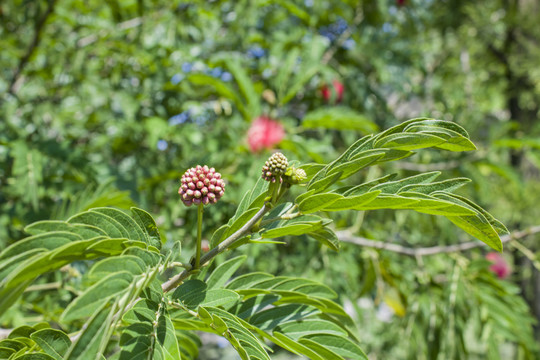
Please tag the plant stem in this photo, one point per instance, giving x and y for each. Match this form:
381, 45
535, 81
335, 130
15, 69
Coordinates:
224, 245
200, 210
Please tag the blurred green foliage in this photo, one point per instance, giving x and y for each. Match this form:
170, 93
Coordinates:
107, 103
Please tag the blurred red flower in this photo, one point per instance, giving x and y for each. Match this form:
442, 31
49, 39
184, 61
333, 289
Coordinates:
264, 133
335, 92
499, 267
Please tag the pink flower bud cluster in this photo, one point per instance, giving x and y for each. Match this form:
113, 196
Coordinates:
201, 185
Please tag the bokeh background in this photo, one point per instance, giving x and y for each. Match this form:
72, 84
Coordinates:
107, 103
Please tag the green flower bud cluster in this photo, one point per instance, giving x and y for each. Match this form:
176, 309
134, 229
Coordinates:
295, 176
274, 167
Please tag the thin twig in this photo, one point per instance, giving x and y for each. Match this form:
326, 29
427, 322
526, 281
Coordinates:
221, 247
346, 236
14, 83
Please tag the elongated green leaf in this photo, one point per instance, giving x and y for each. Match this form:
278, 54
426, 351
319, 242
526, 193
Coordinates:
270, 318
247, 280
409, 141
253, 305
435, 206
479, 227
326, 237
393, 187
194, 293
496, 224
436, 124
84, 230
338, 344
111, 227
246, 86
224, 271
325, 182
321, 350
47, 241
130, 263
53, 342
295, 347
305, 327
87, 303
250, 197
147, 223
238, 328
317, 202
34, 356
388, 201
358, 163
352, 202
445, 185
87, 345
343, 158
132, 228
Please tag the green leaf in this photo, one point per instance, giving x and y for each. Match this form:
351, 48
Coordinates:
296, 348
340, 118
317, 202
34, 356
338, 344
147, 223
47, 241
249, 307
246, 86
326, 237
248, 280
85, 231
130, 263
393, 187
358, 163
87, 345
53, 342
358, 145
496, 224
323, 183
321, 350
270, 318
409, 141
435, 206
352, 202
241, 336
388, 201
132, 229
110, 226
224, 271
445, 185
248, 201
296, 226
297, 329
86, 304
194, 293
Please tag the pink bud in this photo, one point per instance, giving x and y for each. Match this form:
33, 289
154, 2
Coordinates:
264, 133
197, 194
205, 200
499, 267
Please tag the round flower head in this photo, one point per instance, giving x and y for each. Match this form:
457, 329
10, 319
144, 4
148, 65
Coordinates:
201, 185
274, 167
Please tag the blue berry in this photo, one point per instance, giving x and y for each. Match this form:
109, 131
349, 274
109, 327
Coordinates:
226, 76
162, 145
177, 78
